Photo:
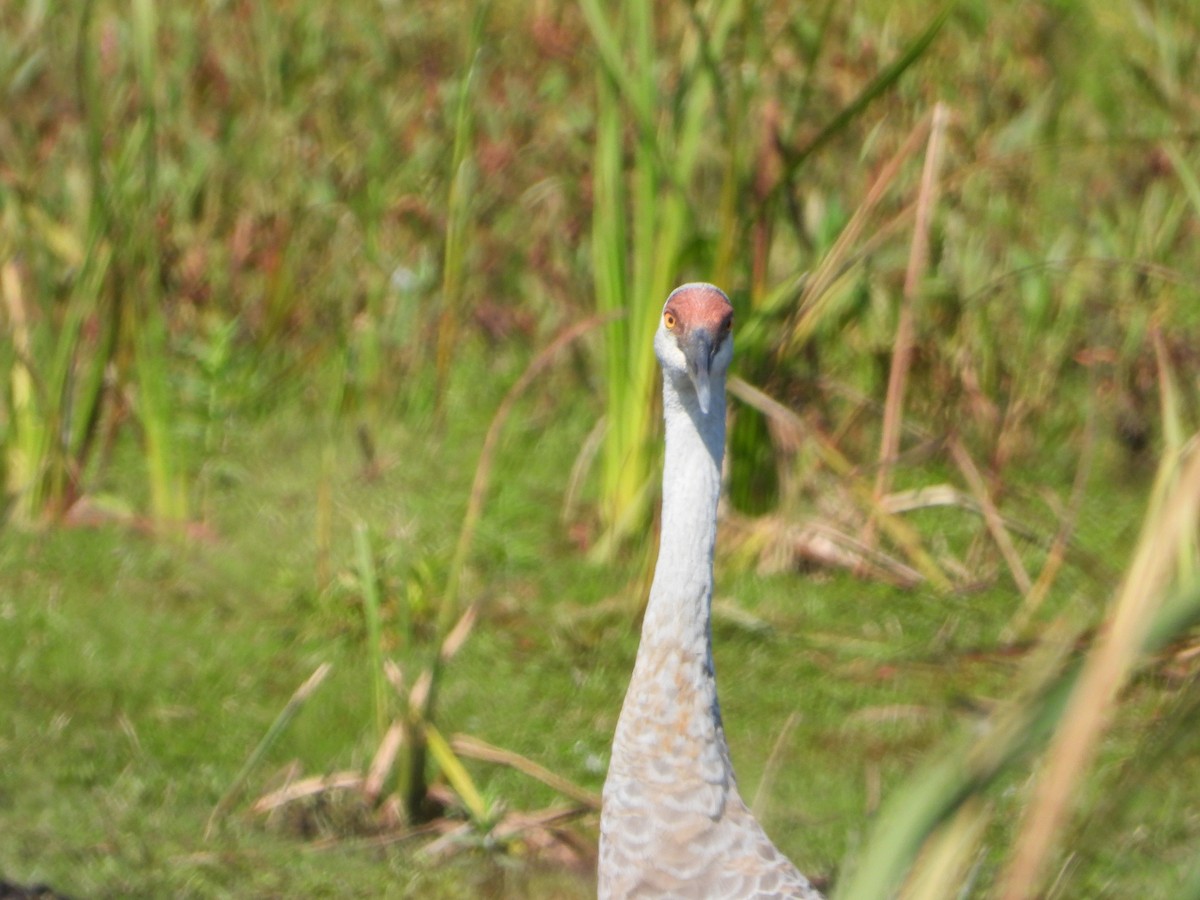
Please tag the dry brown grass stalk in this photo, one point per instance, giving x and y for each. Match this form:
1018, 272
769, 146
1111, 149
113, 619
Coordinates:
474, 748
308, 787
991, 515
816, 293
459, 633
904, 536
918, 262
383, 762
778, 544
1057, 554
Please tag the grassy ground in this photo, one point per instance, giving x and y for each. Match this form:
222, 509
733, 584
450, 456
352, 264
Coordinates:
243, 232
140, 673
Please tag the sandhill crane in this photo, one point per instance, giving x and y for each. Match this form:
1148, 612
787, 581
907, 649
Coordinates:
672, 822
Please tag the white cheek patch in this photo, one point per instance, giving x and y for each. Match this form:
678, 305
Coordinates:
670, 354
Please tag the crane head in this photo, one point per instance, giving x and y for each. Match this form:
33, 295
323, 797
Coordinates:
695, 337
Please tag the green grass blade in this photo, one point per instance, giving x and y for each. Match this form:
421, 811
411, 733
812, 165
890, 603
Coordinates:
368, 582
156, 406
1186, 174
879, 85
462, 176
456, 773
278, 727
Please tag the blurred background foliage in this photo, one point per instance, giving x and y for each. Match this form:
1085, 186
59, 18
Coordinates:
240, 240
201, 203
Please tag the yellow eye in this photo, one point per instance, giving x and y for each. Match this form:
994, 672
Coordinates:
669, 320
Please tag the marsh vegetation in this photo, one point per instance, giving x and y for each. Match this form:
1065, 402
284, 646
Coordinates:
326, 351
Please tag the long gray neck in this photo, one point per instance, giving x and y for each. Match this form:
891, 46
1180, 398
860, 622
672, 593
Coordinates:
681, 594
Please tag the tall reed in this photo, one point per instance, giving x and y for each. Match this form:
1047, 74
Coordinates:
458, 206
112, 323
646, 157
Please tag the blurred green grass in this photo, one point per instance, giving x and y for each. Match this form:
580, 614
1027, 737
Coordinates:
266, 188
